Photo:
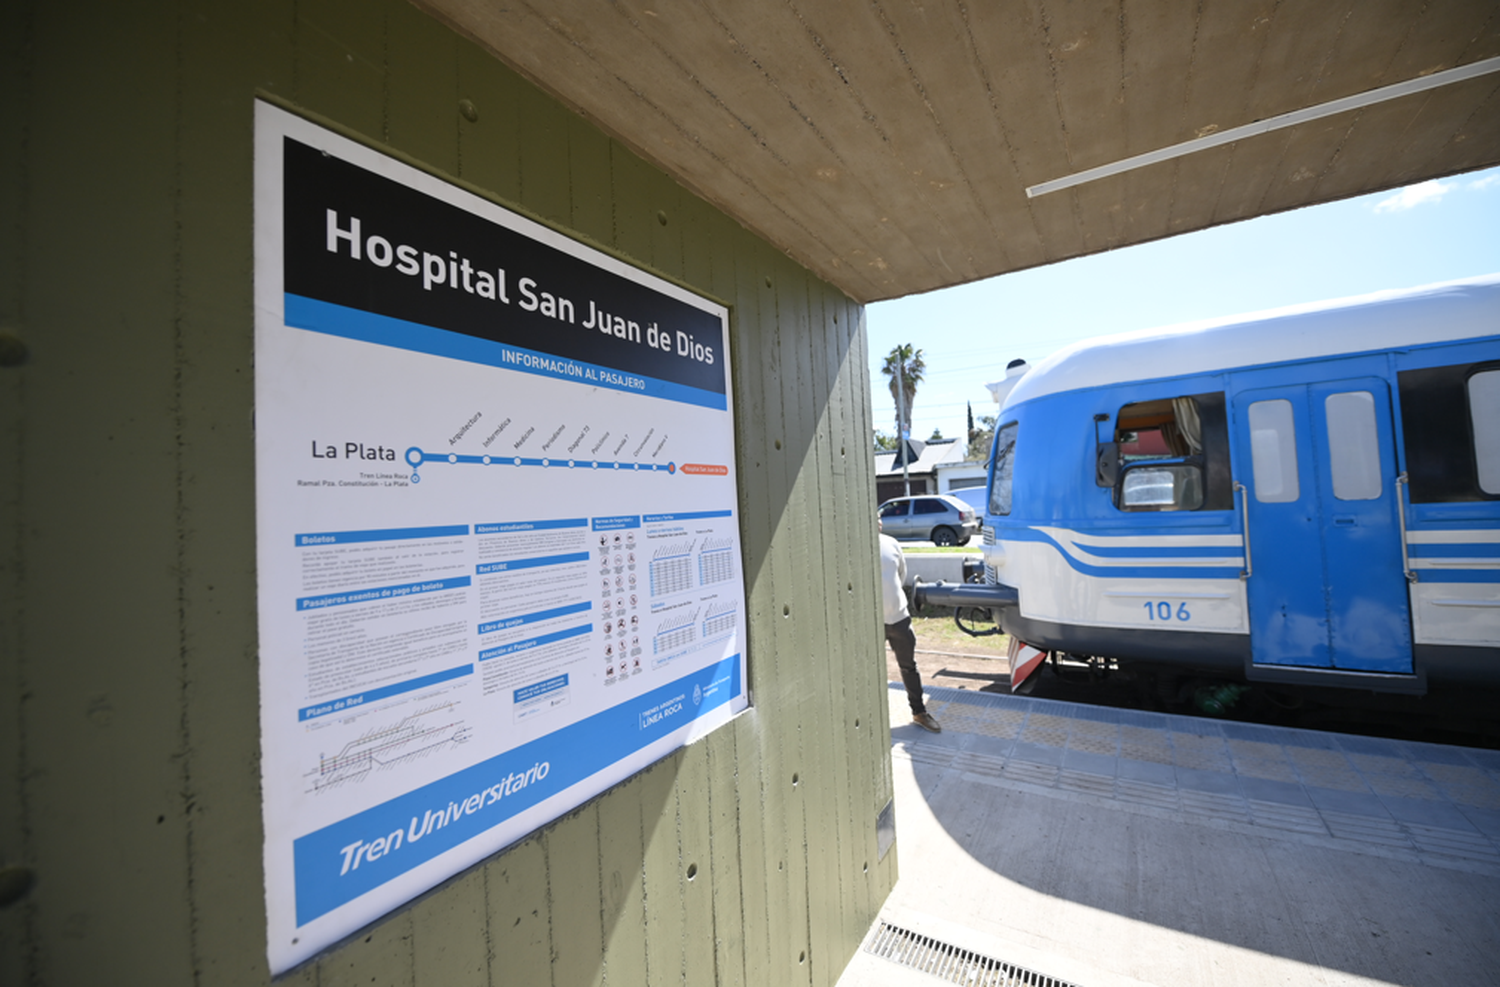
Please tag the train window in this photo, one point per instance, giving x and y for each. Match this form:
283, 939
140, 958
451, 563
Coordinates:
1353, 445
1448, 432
1186, 441
1170, 428
1484, 415
1273, 452
1162, 488
1005, 464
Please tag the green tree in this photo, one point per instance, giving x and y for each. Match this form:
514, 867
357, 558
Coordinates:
904, 362
936, 436
884, 442
981, 438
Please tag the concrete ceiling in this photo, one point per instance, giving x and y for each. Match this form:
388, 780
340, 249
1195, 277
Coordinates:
888, 144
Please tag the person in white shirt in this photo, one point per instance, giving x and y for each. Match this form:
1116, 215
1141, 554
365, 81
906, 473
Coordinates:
898, 632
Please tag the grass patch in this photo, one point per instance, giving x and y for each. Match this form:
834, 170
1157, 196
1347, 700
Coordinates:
936, 630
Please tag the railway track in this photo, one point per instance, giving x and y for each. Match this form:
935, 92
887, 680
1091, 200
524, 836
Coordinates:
1465, 717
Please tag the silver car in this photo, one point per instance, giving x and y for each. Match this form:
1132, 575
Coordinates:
938, 518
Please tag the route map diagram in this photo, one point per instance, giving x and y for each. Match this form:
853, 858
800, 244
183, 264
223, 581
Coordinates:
388, 746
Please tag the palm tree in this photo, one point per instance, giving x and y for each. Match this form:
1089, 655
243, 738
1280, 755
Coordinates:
904, 363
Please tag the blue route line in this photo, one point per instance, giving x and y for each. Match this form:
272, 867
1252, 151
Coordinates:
416, 458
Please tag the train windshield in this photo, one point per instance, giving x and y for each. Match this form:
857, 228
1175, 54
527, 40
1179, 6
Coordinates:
1005, 464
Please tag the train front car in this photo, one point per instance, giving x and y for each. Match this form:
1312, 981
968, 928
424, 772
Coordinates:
1113, 512
1128, 470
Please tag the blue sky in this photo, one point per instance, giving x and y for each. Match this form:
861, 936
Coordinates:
1434, 231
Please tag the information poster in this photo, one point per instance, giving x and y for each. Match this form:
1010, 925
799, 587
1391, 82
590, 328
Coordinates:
498, 533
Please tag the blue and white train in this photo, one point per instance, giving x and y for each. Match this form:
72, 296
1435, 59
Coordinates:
1309, 496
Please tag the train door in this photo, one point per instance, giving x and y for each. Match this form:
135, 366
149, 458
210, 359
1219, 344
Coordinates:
1327, 588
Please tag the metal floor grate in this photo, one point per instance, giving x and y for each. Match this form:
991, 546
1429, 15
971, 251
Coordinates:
951, 964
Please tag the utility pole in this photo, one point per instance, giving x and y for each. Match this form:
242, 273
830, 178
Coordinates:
903, 430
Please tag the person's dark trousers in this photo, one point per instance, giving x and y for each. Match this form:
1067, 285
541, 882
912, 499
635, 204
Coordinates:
904, 643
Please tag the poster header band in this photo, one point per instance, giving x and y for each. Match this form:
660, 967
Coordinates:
360, 240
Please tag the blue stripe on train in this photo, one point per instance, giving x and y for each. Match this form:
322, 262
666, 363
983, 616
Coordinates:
1455, 551
1225, 552
1458, 575
1118, 572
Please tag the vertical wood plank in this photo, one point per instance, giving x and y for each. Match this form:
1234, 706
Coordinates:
340, 67
868, 699
832, 891
450, 941
665, 220
422, 113
858, 619
845, 638
225, 51
589, 182
765, 507
877, 713
724, 860
305, 975
753, 445
663, 868
791, 560
754, 852
573, 891
490, 145
694, 221
827, 893
16, 847
103, 711
544, 156
695, 862
623, 906
734, 267
381, 955
800, 626
636, 187
520, 916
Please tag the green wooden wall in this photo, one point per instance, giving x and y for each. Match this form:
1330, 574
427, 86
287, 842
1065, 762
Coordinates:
129, 729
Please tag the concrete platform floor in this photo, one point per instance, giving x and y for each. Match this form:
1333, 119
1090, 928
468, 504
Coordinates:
1106, 848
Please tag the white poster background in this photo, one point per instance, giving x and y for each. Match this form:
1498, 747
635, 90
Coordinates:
454, 652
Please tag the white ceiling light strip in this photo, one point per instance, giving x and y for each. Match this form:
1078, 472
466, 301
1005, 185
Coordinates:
1444, 78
